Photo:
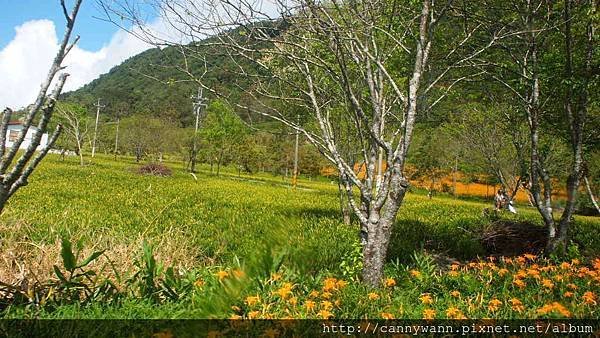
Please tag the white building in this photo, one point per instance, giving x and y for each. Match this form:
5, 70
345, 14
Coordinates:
15, 128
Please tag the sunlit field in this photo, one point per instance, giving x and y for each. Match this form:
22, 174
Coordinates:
251, 246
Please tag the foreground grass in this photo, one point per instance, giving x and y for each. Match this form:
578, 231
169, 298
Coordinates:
251, 246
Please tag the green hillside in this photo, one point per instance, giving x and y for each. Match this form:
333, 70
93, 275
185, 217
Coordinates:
152, 82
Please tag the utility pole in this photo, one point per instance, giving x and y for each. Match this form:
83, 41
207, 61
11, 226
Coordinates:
117, 135
98, 106
197, 104
295, 173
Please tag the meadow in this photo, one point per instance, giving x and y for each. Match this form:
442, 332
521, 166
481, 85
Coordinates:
250, 246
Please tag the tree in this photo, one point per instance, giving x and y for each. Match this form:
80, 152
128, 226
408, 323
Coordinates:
223, 130
491, 140
370, 58
144, 135
76, 122
528, 66
435, 154
42, 108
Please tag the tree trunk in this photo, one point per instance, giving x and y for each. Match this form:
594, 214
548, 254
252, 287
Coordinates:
591, 193
219, 160
344, 205
193, 155
117, 138
454, 171
375, 251
80, 152
379, 229
575, 111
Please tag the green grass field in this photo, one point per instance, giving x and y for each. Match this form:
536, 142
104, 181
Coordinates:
251, 246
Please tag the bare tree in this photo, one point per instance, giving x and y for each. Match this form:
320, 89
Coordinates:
15, 172
77, 124
492, 140
368, 60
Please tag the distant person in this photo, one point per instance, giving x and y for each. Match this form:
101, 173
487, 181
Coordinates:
503, 201
499, 200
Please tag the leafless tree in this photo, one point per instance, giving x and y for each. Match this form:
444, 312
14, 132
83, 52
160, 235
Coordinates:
14, 171
77, 125
368, 60
492, 140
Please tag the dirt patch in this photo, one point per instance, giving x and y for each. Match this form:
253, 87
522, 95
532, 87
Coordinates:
155, 169
512, 238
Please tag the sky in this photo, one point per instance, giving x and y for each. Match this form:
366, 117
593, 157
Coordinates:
30, 31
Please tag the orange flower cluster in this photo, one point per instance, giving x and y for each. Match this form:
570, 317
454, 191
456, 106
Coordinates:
504, 288
554, 307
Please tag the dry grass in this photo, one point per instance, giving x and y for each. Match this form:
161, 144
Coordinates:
23, 261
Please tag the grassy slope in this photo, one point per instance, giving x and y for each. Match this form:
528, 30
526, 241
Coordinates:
215, 219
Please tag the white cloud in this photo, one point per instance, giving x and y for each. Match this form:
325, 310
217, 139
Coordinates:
25, 61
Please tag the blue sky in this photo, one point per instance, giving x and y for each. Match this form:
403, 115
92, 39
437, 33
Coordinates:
94, 32
32, 29
30, 33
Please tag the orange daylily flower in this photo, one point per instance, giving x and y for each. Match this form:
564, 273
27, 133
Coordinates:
284, 291
415, 273
330, 284
547, 283
454, 313
428, 314
494, 304
325, 314
519, 283
517, 305
239, 274
253, 314
554, 307
251, 300
222, 274
426, 298
589, 298
387, 315
327, 305
341, 284
373, 296
565, 265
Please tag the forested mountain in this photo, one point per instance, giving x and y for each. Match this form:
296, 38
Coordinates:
151, 83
